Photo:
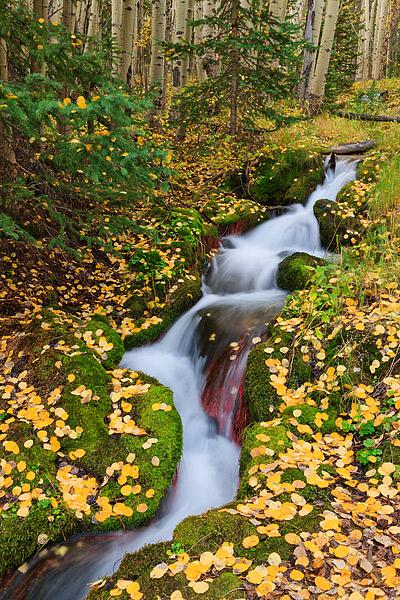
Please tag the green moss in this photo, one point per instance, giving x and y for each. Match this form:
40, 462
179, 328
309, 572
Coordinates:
294, 271
287, 178
110, 358
18, 536
182, 299
261, 397
228, 586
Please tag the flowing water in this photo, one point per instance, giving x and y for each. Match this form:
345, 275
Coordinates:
203, 359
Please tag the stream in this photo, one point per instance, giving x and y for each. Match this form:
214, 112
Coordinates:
202, 358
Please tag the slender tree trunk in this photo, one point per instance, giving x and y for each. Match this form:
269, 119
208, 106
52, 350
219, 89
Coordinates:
166, 63
379, 38
198, 34
127, 38
317, 86
307, 62
41, 11
185, 73
93, 27
234, 72
157, 58
116, 29
7, 155
316, 32
209, 10
178, 34
278, 9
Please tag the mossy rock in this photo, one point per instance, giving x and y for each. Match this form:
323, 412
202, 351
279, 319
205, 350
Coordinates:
110, 358
187, 294
294, 271
86, 425
288, 178
337, 226
261, 397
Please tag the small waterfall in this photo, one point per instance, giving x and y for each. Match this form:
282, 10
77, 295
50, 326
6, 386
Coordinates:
203, 359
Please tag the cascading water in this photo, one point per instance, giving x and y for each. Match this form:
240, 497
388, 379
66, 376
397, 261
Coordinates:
202, 358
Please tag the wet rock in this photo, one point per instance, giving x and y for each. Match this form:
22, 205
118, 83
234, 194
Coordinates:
295, 271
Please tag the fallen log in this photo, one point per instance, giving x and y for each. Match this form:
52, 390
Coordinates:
364, 117
353, 147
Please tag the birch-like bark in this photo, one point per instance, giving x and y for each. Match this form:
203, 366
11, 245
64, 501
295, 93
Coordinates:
127, 38
178, 34
185, 71
318, 82
116, 29
307, 61
198, 35
278, 9
209, 10
156, 74
379, 39
158, 9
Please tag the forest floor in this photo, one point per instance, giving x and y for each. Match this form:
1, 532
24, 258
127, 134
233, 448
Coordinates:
331, 450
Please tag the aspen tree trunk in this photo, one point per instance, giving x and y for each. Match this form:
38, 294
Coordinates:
209, 10
296, 16
127, 38
137, 62
166, 63
178, 34
307, 62
198, 34
82, 16
316, 32
185, 72
379, 38
55, 10
364, 18
369, 17
7, 155
317, 86
158, 10
116, 29
278, 9
93, 26
156, 75
41, 11
234, 72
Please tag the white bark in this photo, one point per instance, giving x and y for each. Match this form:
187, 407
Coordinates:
116, 29
379, 38
127, 38
198, 34
278, 9
185, 72
317, 86
158, 35
178, 34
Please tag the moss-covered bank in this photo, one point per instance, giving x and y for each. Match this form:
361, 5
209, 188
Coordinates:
83, 448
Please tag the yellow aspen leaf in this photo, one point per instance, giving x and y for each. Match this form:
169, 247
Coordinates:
254, 577
133, 587
341, 551
126, 490
323, 584
292, 538
158, 571
296, 575
115, 592
150, 493
206, 558
71, 377
250, 541
200, 587
141, 508
274, 559
23, 511
21, 466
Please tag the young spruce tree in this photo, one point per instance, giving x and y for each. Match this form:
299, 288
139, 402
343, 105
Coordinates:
251, 59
